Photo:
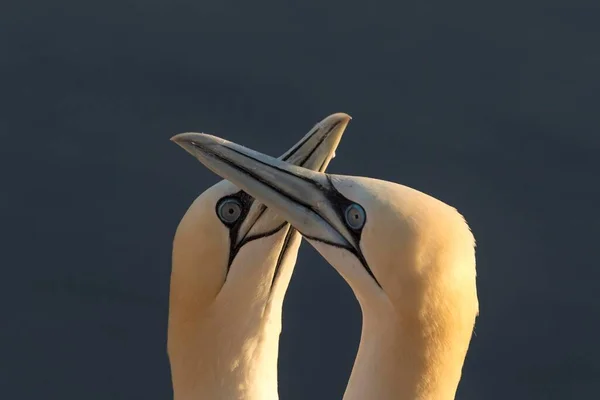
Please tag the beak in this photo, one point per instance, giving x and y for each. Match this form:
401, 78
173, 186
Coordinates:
306, 199
314, 151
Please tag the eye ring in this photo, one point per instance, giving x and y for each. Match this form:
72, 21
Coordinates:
355, 216
229, 210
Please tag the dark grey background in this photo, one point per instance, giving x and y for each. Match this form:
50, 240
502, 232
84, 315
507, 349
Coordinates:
493, 108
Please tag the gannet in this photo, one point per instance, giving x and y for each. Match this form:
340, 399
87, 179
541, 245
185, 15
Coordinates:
408, 257
232, 262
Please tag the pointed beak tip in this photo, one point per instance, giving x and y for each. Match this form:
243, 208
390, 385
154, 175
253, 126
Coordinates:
187, 141
188, 137
341, 116
341, 119
179, 138
192, 142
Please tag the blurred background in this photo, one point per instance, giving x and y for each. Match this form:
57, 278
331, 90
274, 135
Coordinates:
492, 108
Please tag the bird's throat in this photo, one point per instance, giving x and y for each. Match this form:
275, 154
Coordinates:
240, 362
396, 360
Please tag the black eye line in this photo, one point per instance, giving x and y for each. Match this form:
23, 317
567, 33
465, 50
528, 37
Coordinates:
340, 203
234, 250
352, 250
246, 200
262, 235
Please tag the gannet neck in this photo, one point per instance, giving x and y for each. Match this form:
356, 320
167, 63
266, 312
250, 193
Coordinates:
225, 356
239, 364
414, 339
228, 349
397, 361
417, 325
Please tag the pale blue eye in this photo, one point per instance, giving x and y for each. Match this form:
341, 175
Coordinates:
229, 210
355, 216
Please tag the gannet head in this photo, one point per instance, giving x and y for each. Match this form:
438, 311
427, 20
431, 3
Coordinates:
232, 262
398, 248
